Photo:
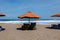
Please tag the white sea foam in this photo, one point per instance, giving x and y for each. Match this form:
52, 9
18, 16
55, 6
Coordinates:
38, 22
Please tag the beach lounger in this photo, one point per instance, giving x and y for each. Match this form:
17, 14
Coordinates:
24, 27
59, 26
54, 26
32, 26
1, 29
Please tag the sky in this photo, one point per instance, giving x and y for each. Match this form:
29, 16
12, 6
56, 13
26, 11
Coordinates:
14, 8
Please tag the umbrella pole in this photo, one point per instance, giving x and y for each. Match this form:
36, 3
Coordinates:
29, 20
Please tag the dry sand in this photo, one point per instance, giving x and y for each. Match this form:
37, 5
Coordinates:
41, 33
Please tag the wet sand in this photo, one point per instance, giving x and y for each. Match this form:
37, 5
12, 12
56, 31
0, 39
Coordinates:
41, 33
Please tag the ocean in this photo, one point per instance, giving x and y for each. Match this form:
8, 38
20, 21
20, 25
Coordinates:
38, 21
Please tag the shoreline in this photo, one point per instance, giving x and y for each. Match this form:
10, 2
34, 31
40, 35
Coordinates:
37, 22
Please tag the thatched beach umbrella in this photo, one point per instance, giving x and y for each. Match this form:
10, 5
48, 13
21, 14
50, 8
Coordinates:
1, 28
56, 26
29, 15
56, 15
2, 14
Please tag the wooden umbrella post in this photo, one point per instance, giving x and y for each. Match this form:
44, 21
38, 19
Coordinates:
29, 20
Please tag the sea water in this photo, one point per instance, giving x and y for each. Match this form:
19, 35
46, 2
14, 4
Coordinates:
19, 21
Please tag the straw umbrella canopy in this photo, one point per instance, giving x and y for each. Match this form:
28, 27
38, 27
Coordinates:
56, 15
1, 14
29, 15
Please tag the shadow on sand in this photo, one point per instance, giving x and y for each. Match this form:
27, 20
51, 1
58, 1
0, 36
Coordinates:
52, 28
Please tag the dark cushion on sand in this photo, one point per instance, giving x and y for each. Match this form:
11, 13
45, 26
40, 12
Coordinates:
1, 29
32, 26
59, 26
24, 27
54, 26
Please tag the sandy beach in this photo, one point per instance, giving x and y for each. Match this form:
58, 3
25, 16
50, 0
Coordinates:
41, 33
